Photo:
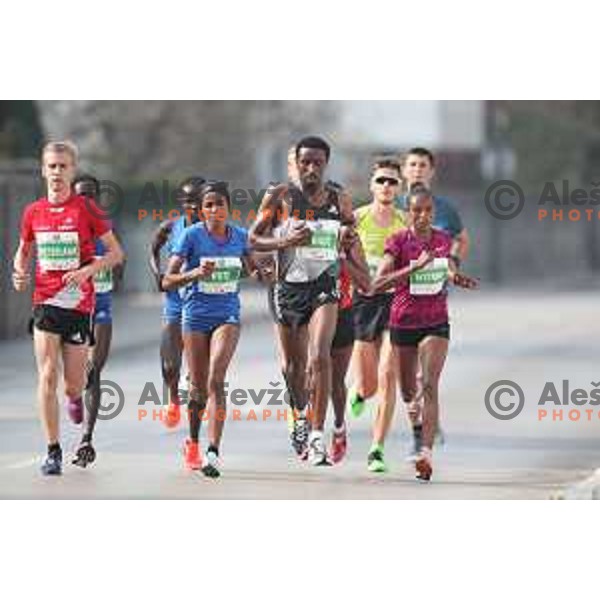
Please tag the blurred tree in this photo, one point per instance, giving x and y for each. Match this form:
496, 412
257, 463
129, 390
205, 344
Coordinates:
135, 140
20, 130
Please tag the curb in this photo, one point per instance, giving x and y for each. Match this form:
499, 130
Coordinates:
588, 489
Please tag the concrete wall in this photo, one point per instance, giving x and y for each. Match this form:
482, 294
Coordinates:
19, 184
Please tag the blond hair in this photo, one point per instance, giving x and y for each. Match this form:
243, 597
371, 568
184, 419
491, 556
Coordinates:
66, 147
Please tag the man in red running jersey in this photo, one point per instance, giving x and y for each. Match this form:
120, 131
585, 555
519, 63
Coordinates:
62, 228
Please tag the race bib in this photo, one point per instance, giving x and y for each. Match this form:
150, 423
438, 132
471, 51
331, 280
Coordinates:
429, 280
103, 280
225, 279
58, 250
324, 241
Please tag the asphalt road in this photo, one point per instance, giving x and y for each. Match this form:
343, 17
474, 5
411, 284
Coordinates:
529, 337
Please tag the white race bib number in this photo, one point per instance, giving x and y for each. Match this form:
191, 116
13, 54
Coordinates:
225, 279
58, 250
103, 280
324, 241
429, 280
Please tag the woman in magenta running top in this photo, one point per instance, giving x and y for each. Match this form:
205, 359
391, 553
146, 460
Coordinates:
417, 262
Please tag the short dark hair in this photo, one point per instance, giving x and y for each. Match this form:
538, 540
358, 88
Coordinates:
87, 178
385, 162
419, 151
315, 143
190, 188
419, 191
217, 187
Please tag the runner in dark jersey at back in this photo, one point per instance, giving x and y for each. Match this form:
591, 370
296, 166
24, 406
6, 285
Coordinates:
89, 187
171, 344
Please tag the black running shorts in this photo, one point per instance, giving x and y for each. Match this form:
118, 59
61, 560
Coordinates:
293, 304
371, 316
74, 327
344, 331
413, 337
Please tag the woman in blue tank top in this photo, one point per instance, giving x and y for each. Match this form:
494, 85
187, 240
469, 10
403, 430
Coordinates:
206, 264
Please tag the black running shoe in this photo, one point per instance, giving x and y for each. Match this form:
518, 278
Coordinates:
299, 436
52, 465
317, 454
211, 467
85, 455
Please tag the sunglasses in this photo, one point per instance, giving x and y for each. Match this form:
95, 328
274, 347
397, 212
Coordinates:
384, 180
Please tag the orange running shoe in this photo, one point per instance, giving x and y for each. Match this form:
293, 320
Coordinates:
423, 465
173, 414
192, 455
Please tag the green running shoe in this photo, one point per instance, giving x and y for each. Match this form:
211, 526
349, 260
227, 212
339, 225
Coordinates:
356, 402
375, 459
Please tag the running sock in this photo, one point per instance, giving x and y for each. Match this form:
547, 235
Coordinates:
356, 396
339, 430
213, 448
194, 412
417, 431
52, 448
86, 438
315, 435
301, 412
376, 447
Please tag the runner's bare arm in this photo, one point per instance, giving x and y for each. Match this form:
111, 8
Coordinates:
261, 233
22, 265
119, 272
265, 266
260, 236
357, 264
249, 268
113, 256
460, 279
174, 278
387, 277
460, 245
346, 210
159, 239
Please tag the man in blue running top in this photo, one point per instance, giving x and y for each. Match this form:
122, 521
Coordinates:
171, 345
206, 263
418, 168
104, 283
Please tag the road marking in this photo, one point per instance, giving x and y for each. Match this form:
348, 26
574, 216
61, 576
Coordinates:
25, 464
